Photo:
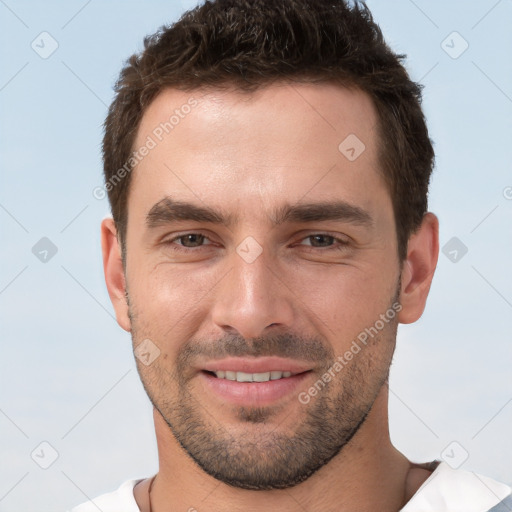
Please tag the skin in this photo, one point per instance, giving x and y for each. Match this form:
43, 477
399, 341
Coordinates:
246, 155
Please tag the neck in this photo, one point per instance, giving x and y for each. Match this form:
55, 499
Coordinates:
368, 474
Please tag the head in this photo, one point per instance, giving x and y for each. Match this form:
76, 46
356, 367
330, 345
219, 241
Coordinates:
267, 165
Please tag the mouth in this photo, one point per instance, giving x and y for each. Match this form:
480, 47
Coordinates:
251, 377
254, 382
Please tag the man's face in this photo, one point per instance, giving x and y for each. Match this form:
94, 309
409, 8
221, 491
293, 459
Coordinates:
268, 281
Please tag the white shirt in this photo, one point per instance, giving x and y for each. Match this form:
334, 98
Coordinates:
446, 490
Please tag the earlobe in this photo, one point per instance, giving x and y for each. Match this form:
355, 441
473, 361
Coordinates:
114, 272
418, 269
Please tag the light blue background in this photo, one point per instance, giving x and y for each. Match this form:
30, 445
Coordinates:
67, 374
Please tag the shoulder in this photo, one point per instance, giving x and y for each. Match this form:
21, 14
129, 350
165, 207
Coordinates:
120, 499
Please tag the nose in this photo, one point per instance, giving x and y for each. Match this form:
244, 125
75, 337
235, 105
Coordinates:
252, 297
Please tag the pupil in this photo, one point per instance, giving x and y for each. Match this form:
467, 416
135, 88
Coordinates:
194, 238
325, 237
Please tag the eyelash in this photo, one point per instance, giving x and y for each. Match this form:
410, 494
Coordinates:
178, 247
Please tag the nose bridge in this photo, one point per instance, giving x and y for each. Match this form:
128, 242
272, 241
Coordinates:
251, 297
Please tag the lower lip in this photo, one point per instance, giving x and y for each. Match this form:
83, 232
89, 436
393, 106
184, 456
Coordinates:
253, 393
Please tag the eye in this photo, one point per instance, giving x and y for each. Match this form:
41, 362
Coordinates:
188, 241
319, 240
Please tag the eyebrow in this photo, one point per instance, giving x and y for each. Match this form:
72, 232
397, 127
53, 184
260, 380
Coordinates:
169, 210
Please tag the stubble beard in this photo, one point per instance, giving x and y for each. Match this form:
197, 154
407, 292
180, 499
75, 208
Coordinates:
260, 455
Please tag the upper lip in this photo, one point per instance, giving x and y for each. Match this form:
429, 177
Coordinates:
256, 365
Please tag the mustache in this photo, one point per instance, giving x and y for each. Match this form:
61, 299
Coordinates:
284, 345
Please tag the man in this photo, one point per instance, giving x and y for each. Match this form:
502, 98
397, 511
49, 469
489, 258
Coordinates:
267, 165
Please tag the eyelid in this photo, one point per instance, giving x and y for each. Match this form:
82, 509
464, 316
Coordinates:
338, 237
341, 240
177, 236
172, 240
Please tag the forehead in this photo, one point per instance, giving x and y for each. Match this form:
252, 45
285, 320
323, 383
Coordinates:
287, 139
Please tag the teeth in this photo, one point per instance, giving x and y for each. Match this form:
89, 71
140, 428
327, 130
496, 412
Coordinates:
252, 377
244, 377
261, 377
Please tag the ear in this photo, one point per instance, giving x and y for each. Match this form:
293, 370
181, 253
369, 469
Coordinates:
114, 272
418, 269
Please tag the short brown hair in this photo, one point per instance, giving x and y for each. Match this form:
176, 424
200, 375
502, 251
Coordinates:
251, 43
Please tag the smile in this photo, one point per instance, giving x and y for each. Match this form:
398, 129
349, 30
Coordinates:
253, 389
252, 377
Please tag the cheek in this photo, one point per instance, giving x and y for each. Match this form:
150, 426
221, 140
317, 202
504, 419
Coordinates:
173, 302
169, 302
179, 286
344, 301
